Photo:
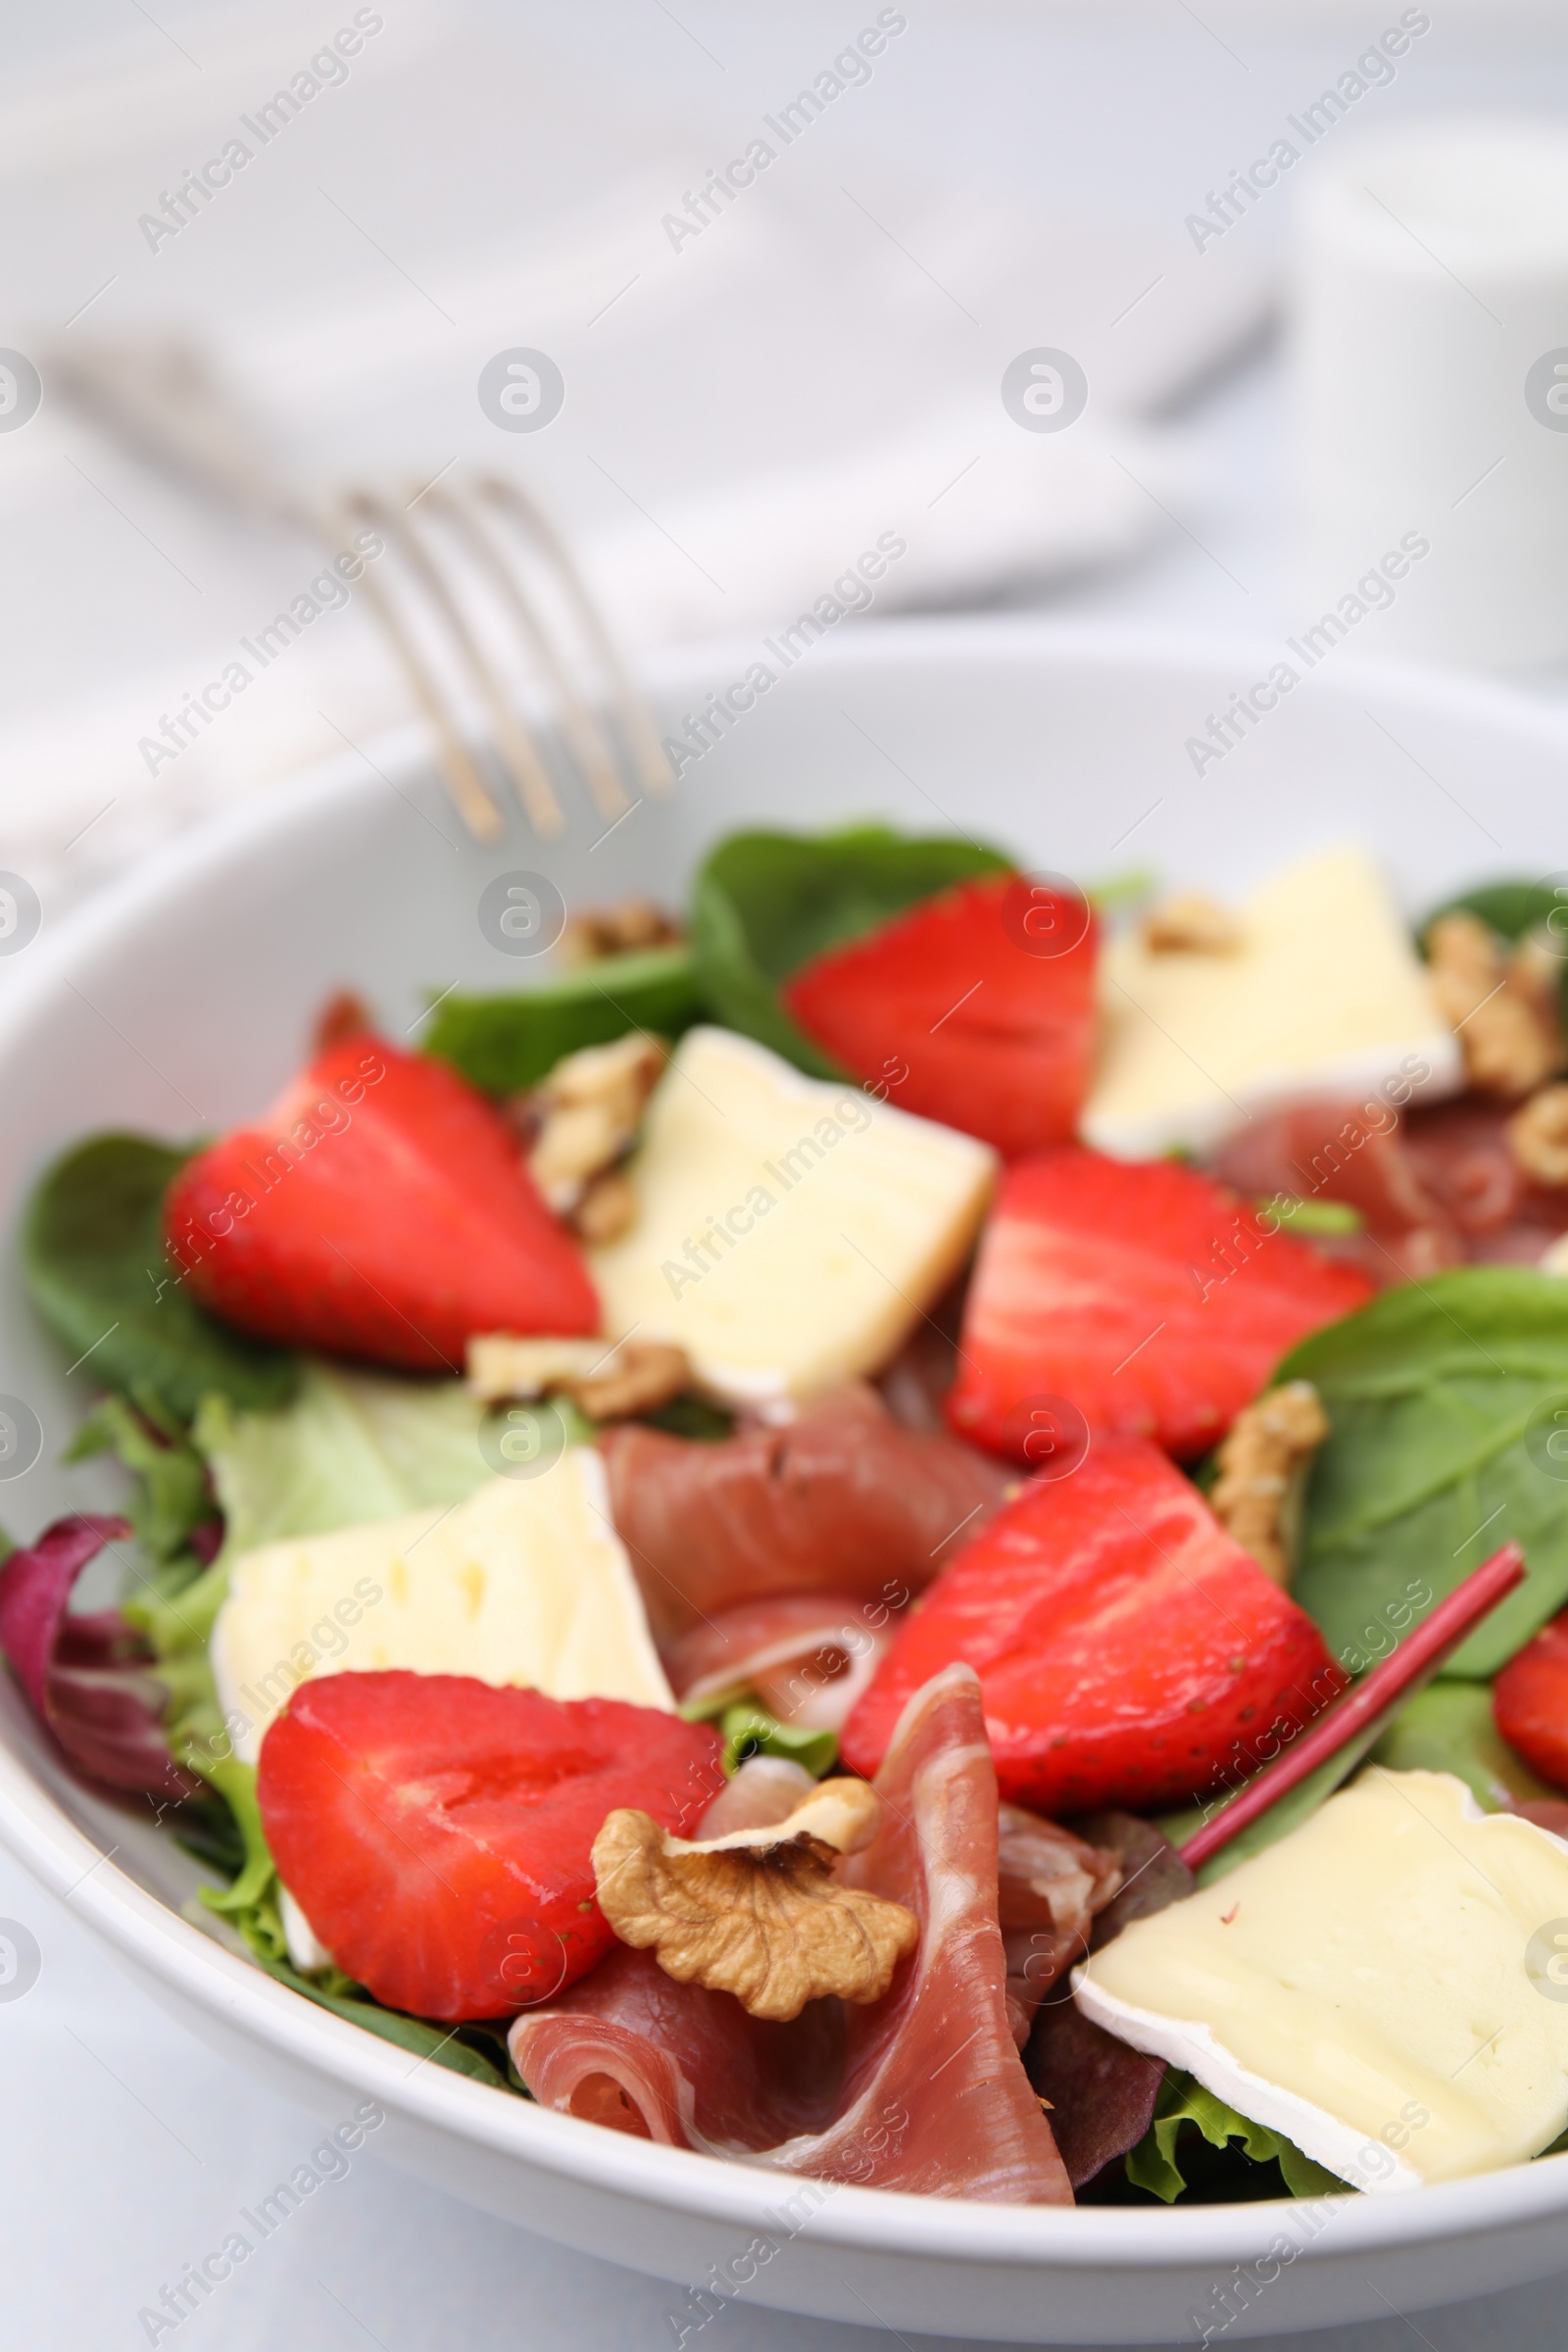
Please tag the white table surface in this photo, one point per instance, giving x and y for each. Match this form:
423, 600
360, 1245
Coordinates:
126, 2148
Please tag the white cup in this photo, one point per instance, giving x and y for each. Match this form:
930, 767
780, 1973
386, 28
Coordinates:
1429, 325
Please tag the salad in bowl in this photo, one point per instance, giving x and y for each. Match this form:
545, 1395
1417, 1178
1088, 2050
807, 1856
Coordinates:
908, 1525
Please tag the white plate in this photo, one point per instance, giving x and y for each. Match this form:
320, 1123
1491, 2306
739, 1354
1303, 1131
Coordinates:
177, 1001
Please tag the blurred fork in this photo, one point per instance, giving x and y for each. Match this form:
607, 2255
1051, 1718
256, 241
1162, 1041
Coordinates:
472, 556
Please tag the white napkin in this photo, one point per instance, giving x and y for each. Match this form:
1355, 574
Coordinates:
747, 411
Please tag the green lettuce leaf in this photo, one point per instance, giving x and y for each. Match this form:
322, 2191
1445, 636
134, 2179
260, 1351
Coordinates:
1313, 1216
1441, 1398
506, 1044
170, 1497
94, 1264
250, 1902
1117, 892
766, 903
1156, 2165
350, 1448
205, 1827
750, 1730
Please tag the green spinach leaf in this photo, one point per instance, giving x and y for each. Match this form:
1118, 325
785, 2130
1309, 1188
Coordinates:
692, 1416
766, 903
1285, 1814
443, 2045
503, 1045
1442, 1399
95, 1267
1449, 1727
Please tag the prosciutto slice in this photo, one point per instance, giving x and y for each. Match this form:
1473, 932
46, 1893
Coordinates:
1358, 1153
843, 1500
927, 2092
1438, 1187
1050, 1887
808, 1655
1463, 1157
630, 2047
764, 1791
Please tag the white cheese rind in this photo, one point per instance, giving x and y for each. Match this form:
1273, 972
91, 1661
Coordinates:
526, 1583
1365, 1984
790, 1231
1325, 997
305, 1947
1341, 2149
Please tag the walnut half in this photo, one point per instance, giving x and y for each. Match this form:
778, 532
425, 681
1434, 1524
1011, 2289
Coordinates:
1495, 1004
589, 1110
619, 930
1538, 1137
607, 1382
1192, 924
758, 1913
1262, 1466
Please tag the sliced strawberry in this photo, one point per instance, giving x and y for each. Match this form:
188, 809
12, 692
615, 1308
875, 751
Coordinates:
1146, 1295
1128, 1651
1529, 1701
437, 1831
968, 994
380, 1209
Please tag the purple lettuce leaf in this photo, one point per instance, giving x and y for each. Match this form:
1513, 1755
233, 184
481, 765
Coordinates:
88, 1677
1100, 2092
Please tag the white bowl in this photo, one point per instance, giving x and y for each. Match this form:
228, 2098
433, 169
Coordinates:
175, 1002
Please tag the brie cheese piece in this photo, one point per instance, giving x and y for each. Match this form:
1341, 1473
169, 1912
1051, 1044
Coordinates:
1379, 1985
1324, 996
790, 1231
526, 1582
305, 1947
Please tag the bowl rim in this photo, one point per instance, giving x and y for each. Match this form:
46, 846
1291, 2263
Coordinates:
157, 1939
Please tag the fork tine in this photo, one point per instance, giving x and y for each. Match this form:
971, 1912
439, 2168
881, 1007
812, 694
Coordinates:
648, 753
162, 400
469, 795
521, 761
588, 745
